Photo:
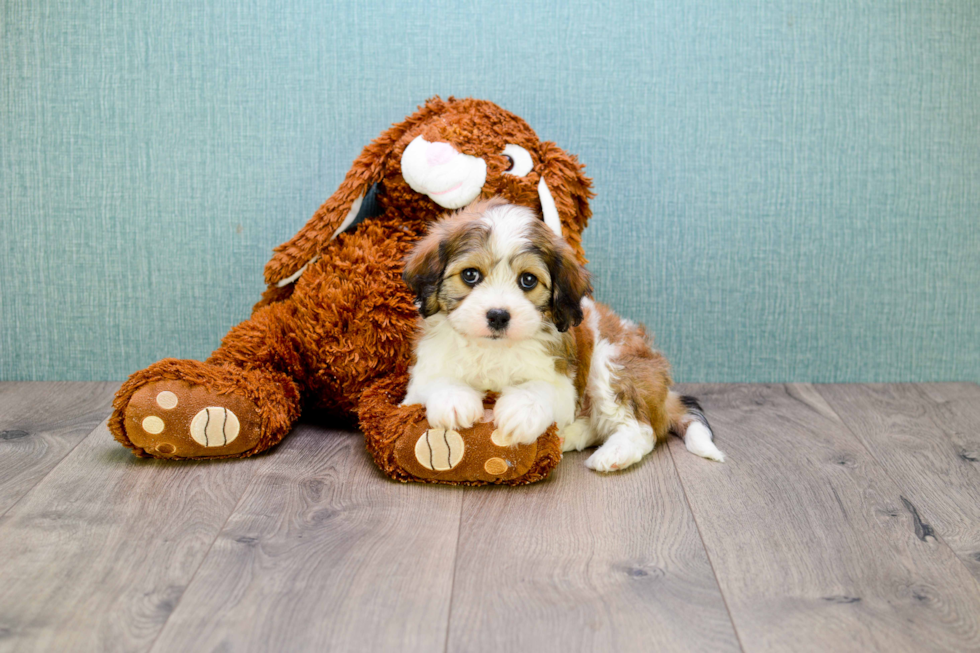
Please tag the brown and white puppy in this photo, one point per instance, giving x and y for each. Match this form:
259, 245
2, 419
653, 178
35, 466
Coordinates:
505, 309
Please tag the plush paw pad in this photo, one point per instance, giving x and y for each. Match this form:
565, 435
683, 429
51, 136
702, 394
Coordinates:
174, 418
215, 426
439, 449
462, 456
153, 425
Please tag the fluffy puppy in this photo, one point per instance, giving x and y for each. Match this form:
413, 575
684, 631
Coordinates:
505, 309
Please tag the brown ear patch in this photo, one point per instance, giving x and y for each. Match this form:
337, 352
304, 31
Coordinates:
570, 284
447, 240
423, 272
570, 280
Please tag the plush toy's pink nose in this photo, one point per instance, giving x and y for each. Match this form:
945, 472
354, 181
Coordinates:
440, 153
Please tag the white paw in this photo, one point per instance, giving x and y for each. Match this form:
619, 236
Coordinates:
521, 417
615, 455
454, 408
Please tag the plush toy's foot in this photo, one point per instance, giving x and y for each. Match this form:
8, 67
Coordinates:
406, 448
472, 455
174, 419
187, 409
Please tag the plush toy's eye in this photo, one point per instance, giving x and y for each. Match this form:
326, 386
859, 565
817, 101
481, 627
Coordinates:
520, 160
527, 281
471, 276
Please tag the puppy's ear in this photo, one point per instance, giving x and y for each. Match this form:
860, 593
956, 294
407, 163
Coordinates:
569, 284
423, 272
340, 210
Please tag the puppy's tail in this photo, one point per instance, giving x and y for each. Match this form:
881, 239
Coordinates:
688, 421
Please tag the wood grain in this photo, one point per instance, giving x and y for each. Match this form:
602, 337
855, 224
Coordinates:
40, 422
832, 526
97, 555
325, 553
957, 407
929, 448
586, 562
814, 546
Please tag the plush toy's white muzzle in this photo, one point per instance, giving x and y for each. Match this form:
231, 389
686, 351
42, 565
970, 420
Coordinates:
450, 178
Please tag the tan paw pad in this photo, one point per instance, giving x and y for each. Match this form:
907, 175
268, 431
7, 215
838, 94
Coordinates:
495, 466
496, 438
215, 426
153, 425
167, 400
439, 449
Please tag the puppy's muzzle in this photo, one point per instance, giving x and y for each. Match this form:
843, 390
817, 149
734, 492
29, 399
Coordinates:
498, 319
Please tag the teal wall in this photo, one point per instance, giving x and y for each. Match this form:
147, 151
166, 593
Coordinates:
786, 190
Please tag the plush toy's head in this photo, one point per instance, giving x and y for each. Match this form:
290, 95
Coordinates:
444, 156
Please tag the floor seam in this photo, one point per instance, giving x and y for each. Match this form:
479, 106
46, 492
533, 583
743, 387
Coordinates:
452, 586
100, 424
704, 547
204, 558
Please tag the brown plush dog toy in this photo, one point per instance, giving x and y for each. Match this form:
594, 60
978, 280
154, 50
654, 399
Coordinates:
334, 329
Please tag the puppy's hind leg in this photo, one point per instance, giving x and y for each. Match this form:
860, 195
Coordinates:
577, 436
627, 445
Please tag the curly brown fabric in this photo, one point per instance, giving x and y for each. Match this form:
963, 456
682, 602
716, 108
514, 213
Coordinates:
339, 337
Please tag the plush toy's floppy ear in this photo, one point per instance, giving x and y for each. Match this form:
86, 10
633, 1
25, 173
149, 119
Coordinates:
338, 212
564, 191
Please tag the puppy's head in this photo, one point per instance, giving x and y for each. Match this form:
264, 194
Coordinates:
496, 271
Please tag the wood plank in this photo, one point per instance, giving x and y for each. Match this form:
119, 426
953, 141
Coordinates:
586, 562
97, 555
958, 409
930, 448
325, 553
811, 542
40, 422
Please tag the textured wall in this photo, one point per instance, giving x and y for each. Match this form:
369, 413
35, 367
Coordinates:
786, 191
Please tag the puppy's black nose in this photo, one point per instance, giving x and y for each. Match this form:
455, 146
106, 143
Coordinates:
498, 318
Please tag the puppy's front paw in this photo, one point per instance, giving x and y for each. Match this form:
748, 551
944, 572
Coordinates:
454, 408
521, 417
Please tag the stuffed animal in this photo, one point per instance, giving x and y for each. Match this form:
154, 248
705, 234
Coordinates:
334, 329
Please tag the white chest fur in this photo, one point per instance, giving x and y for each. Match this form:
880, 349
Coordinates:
483, 364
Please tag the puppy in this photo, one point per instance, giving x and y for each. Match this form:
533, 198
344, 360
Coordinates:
505, 308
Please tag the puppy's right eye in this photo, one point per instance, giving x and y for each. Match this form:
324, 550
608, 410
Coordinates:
471, 276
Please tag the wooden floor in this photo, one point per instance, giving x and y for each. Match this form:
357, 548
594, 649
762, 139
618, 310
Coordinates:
847, 518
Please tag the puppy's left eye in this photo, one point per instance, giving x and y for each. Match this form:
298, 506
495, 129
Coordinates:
471, 276
527, 281
519, 159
